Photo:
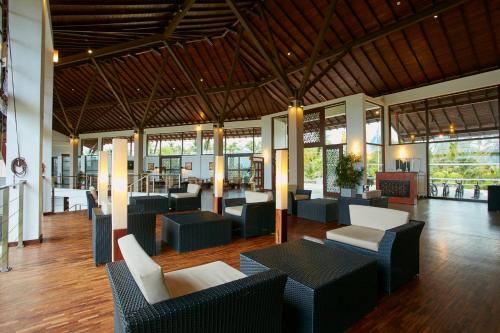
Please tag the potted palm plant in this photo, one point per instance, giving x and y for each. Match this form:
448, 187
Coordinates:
348, 173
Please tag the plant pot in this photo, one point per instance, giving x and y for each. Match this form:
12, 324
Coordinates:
348, 192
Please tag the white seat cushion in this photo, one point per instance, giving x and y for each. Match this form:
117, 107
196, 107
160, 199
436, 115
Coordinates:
147, 274
234, 210
376, 217
253, 197
299, 197
183, 195
367, 238
193, 188
193, 279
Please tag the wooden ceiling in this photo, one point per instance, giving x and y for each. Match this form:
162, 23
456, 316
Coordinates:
161, 63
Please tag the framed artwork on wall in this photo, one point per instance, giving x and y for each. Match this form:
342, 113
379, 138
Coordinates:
151, 167
210, 166
188, 165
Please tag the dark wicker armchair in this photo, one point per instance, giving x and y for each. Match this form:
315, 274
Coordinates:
141, 225
184, 202
157, 204
90, 204
397, 255
255, 219
248, 305
292, 199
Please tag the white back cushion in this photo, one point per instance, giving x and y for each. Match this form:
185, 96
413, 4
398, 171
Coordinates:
252, 197
148, 275
376, 217
193, 188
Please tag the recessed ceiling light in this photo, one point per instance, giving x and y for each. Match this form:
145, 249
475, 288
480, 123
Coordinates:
201, 80
398, 3
72, 89
138, 89
173, 88
289, 53
435, 16
89, 51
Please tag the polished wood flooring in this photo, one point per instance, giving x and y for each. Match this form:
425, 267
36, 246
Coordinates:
55, 286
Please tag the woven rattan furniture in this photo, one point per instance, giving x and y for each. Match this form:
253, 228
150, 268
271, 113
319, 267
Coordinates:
320, 210
248, 305
194, 231
294, 198
327, 289
184, 203
141, 225
345, 202
157, 204
397, 257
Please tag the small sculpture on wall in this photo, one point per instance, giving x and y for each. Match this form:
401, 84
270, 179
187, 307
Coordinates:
403, 165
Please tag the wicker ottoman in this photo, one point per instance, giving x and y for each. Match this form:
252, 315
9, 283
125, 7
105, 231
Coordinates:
157, 204
328, 289
194, 231
320, 210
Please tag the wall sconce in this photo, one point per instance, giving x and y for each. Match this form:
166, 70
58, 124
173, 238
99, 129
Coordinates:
356, 149
403, 154
452, 129
118, 194
198, 128
55, 56
218, 183
281, 196
103, 178
73, 139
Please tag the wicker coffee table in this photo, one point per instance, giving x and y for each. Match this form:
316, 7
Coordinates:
195, 231
328, 289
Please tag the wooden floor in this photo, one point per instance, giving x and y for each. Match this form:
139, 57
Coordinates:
54, 286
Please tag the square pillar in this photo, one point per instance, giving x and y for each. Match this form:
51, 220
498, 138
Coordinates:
138, 158
73, 155
31, 42
296, 145
119, 198
218, 168
281, 220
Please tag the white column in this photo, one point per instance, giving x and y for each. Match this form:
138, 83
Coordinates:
218, 140
296, 145
356, 127
32, 82
103, 177
118, 194
73, 155
138, 158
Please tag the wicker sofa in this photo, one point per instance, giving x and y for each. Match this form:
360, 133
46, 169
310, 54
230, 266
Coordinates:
293, 198
141, 225
211, 298
185, 198
386, 235
253, 215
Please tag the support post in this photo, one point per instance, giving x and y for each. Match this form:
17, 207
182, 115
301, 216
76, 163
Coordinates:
118, 195
103, 177
73, 142
20, 216
4, 263
296, 144
218, 167
281, 196
138, 159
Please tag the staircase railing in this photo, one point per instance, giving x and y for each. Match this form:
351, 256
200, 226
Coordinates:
8, 210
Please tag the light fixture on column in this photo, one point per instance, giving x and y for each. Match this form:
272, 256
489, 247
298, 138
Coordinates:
218, 183
73, 139
281, 196
452, 129
103, 178
118, 194
55, 56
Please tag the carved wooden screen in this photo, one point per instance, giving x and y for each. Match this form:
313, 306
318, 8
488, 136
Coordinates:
331, 158
313, 128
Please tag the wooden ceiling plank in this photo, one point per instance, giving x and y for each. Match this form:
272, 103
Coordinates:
59, 101
159, 76
86, 101
248, 28
113, 91
124, 99
317, 47
229, 82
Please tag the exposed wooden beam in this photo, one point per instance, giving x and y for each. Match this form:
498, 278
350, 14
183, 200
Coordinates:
122, 93
62, 123
159, 75
255, 40
59, 101
229, 83
160, 110
242, 100
85, 101
270, 38
138, 43
317, 47
325, 71
113, 91
190, 77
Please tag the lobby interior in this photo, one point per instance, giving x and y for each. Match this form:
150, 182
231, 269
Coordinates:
215, 143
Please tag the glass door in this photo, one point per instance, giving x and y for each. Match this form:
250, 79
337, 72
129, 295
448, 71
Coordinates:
331, 155
170, 165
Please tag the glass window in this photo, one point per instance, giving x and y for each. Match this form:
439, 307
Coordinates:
171, 144
107, 144
373, 125
374, 163
207, 142
189, 143
374, 142
408, 123
153, 145
239, 140
335, 124
280, 132
89, 147
238, 168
